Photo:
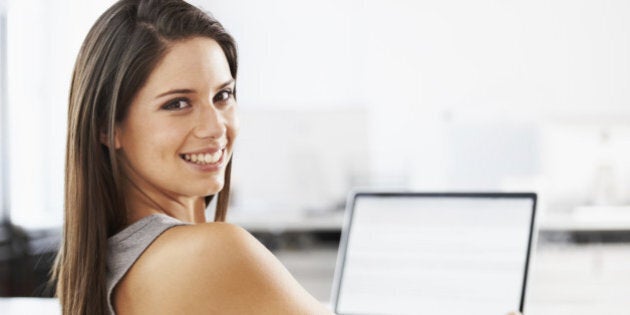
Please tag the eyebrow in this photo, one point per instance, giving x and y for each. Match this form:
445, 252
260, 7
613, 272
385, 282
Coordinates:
188, 91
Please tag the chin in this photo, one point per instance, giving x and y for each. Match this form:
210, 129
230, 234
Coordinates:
213, 189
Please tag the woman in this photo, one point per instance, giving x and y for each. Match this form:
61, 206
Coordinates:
151, 128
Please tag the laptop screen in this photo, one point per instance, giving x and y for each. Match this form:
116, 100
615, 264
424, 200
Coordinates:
434, 254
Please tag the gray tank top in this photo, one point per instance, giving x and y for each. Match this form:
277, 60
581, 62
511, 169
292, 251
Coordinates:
124, 248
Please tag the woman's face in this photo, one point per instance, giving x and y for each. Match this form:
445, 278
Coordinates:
179, 131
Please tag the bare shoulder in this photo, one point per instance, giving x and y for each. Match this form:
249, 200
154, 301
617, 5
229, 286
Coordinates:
211, 268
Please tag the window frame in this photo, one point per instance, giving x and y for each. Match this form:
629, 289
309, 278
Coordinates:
4, 154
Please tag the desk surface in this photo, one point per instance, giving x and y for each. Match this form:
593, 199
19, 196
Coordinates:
19, 306
285, 221
579, 219
587, 219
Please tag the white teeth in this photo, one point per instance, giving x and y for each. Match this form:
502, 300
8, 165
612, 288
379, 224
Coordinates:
215, 157
204, 158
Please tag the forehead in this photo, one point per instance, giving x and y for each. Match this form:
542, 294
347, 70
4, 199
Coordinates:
192, 63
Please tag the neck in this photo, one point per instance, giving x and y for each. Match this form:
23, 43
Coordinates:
142, 202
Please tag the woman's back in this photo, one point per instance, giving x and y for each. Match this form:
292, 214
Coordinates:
200, 269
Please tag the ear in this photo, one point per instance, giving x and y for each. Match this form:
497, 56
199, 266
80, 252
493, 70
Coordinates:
104, 140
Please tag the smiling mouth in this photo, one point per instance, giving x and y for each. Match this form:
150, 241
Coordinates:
203, 158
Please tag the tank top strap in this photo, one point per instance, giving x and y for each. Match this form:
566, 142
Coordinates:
125, 247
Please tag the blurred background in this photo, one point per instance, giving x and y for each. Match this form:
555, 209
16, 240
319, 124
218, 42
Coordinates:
447, 95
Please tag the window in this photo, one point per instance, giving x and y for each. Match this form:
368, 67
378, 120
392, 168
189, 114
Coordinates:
42, 42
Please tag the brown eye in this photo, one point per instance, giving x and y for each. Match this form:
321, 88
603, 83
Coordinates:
177, 104
223, 96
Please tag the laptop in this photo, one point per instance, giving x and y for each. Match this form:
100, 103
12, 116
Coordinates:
434, 253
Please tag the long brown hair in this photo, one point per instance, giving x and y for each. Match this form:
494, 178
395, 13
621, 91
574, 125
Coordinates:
115, 60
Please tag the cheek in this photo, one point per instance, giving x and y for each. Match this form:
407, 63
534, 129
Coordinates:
157, 140
233, 126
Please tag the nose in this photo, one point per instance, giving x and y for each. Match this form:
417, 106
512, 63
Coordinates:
210, 123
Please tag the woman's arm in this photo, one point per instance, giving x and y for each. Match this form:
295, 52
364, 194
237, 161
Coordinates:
211, 268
